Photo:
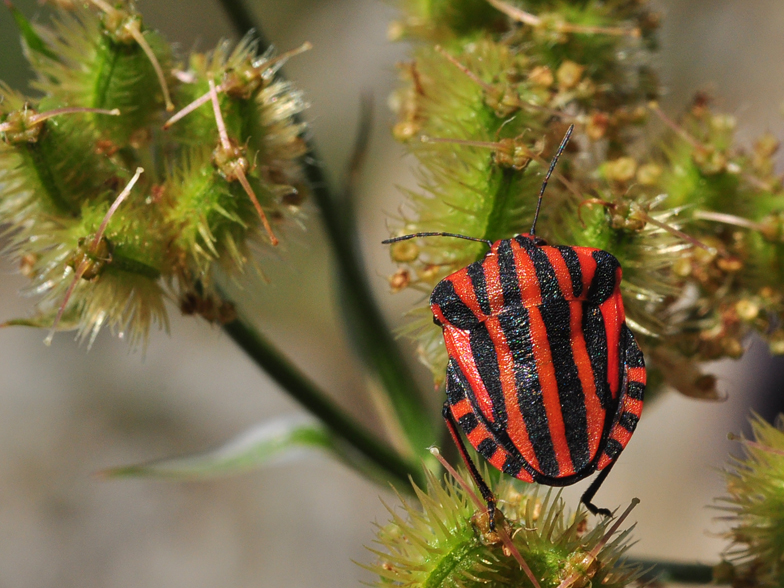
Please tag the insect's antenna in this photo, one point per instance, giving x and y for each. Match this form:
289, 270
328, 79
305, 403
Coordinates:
455, 235
549, 173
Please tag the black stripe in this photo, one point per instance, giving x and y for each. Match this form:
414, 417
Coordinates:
515, 325
595, 336
452, 307
556, 314
455, 388
476, 272
545, 275
487, 447
575, 271
628, 421
486, 361
508, 273
468, 422
512, 465
613, 448
603, 283
635, 390
634, 358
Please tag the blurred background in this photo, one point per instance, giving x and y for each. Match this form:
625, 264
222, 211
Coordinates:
66, 412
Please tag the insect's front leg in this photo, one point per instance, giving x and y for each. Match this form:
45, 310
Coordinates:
484, 489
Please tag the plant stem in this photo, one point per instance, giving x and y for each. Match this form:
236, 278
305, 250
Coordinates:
366, 323
671, 572
240, 17
312, 398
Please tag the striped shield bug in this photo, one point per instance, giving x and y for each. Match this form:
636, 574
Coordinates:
544, 377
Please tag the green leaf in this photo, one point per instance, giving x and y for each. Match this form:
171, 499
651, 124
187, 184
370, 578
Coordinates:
256, 447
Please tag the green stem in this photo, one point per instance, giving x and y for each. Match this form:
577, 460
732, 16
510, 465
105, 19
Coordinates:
671, 572
312, 398
372, 336
240, 17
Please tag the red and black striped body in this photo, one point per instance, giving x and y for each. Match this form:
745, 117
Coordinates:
544, 377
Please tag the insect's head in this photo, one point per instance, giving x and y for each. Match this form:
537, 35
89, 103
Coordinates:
533, 239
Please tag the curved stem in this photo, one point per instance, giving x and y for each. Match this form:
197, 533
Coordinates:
313, 399
372, 336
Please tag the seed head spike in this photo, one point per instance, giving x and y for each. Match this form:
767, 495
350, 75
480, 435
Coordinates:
85, 263
238, 169
532, 20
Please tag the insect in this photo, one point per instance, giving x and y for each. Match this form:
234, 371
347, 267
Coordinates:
544, 377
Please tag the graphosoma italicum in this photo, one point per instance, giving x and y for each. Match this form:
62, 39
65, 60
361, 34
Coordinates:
544, 377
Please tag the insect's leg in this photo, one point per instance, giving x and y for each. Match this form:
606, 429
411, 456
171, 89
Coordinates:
588, 495
484, 489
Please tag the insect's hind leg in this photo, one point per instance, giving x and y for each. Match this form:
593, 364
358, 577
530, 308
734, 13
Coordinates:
484, 489
587, 497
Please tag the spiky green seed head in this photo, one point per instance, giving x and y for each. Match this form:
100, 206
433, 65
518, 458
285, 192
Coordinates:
444, 540
755, 505
107, 83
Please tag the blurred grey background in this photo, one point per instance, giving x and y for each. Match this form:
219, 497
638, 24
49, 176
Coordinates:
66, 412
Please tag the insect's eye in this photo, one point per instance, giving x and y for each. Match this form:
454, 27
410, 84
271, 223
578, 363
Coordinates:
539, 242
437, 322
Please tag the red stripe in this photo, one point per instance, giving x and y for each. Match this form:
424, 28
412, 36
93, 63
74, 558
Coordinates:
458, 346
495, 292
461, 409
478, 435
524, 475
614, 318
526, 277
561, 272
550, 397
587, 266
595, 414
637, 374
465, 290
621, 435
633, 406
498, 459
515, 426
